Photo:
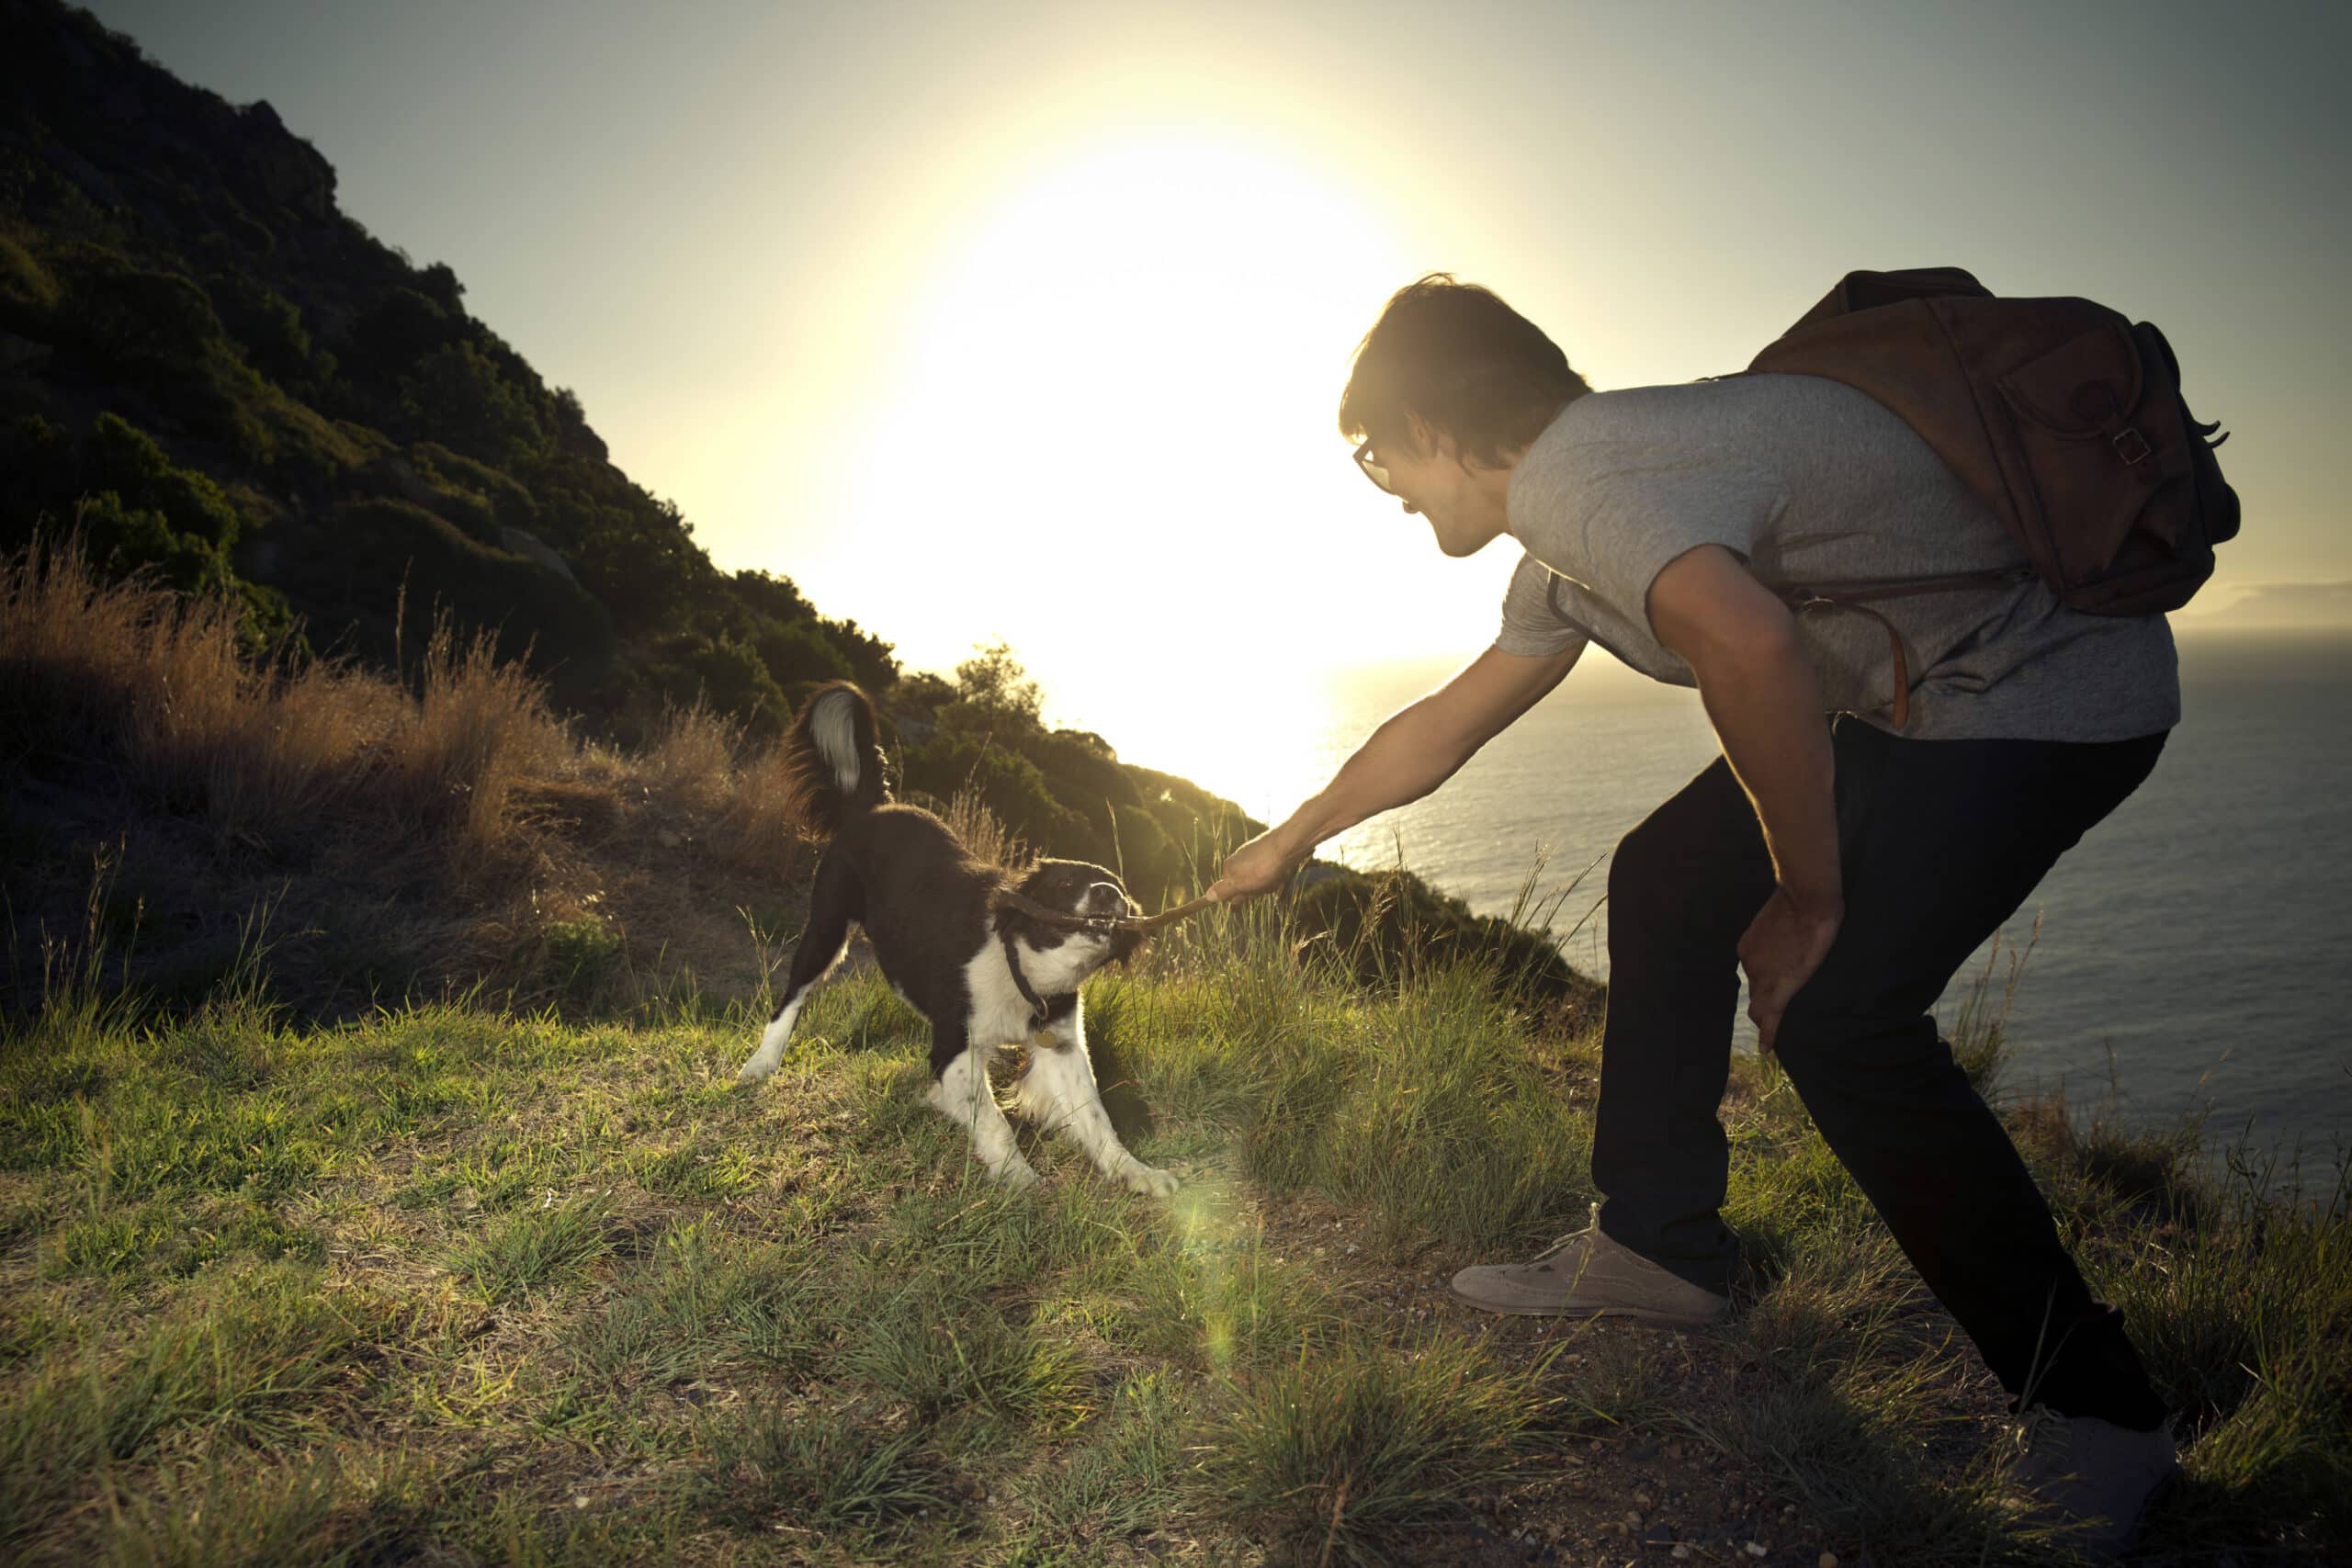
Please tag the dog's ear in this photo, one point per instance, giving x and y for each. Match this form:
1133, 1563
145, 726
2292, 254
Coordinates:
1012, 920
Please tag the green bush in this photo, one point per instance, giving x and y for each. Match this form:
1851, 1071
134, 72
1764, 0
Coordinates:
800, 653
399, 328
457, 397
580, 954
1007, 784
509, 502
266, 324
26, 291
735, 681
379, 543
125, 459
1390, 928
134, 319
773, 598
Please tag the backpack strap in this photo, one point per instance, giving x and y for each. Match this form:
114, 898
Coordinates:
1837, 596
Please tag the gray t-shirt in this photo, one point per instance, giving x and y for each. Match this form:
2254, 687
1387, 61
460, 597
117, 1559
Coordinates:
1811, 483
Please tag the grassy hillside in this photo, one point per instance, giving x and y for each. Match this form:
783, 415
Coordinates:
397, 863
373, 1187
470, 1286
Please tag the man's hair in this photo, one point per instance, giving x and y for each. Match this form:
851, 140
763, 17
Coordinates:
1469, 365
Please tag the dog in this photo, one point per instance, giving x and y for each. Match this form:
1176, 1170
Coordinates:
987, 976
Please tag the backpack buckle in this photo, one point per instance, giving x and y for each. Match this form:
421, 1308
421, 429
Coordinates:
2131, 445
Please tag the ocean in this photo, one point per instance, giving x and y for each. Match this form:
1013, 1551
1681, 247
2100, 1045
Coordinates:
2192, 948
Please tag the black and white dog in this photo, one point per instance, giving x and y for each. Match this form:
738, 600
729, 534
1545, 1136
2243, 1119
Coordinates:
983, 974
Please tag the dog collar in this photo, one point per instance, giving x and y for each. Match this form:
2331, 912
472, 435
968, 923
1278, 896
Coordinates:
1028, 992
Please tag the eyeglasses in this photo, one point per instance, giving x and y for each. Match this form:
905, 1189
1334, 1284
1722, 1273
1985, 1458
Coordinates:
1377, 472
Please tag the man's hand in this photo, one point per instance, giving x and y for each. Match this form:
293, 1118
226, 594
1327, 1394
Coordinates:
1759, 689
1260, 866
1783, 945
1416, 749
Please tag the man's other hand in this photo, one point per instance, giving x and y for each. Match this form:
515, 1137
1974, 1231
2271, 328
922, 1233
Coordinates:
1783, 945
1260, 866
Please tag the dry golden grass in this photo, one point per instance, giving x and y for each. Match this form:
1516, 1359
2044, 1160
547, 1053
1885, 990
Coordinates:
984, 835
458, 788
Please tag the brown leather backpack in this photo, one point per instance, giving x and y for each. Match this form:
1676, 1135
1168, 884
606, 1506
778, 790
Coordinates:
2065, 418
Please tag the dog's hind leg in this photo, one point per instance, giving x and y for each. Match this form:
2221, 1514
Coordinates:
835, 903
1060, 1092
963, 1095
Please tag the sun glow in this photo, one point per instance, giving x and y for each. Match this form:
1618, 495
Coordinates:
1107, 437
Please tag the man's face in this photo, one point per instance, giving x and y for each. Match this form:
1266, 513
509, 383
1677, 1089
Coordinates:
1464, 506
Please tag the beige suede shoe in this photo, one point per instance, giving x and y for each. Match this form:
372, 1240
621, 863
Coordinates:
2092, 1478
1585, 1274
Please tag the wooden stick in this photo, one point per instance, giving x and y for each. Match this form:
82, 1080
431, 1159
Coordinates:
1067, 921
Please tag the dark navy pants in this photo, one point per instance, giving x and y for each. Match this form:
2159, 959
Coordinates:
1941, 841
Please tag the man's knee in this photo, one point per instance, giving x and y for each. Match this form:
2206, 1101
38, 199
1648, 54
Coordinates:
1824, 1046
1655, 884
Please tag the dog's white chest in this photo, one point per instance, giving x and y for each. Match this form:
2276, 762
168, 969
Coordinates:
1000, 1014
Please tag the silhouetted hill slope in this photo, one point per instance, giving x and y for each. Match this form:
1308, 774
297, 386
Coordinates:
227, 383
251, 388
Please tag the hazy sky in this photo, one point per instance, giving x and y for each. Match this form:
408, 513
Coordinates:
1030, 320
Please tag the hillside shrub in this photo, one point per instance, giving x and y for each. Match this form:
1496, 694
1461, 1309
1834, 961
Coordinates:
26, 291
800, 653
264, 324
729, 675
457, 397
1007, 784
125, 459
386, 550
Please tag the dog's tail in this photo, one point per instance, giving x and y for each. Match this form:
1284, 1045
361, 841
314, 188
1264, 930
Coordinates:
837, 755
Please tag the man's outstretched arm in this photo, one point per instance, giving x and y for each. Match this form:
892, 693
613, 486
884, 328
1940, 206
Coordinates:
1765, 700
1416, 749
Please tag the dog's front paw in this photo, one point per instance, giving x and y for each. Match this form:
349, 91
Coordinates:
757, 1069
1015, 1175
1150, 1181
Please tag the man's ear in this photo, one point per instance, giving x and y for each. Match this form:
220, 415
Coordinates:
1428, 440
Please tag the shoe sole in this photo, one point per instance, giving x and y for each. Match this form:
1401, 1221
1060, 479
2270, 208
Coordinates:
1639, 1315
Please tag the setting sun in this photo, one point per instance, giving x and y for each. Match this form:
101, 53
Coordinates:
1111, 419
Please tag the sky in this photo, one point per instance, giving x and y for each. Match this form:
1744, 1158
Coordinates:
1028, 321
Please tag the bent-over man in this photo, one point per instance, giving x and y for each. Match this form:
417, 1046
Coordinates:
1850, 863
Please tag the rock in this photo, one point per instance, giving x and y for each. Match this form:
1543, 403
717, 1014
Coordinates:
530, 545
1757, 1549
23, 355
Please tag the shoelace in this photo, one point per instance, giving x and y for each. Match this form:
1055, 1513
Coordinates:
2043, 1433
1592, 1224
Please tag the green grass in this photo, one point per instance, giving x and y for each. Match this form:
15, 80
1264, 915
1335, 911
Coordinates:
458, 1286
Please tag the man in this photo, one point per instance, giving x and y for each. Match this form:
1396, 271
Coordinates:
1850, 866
